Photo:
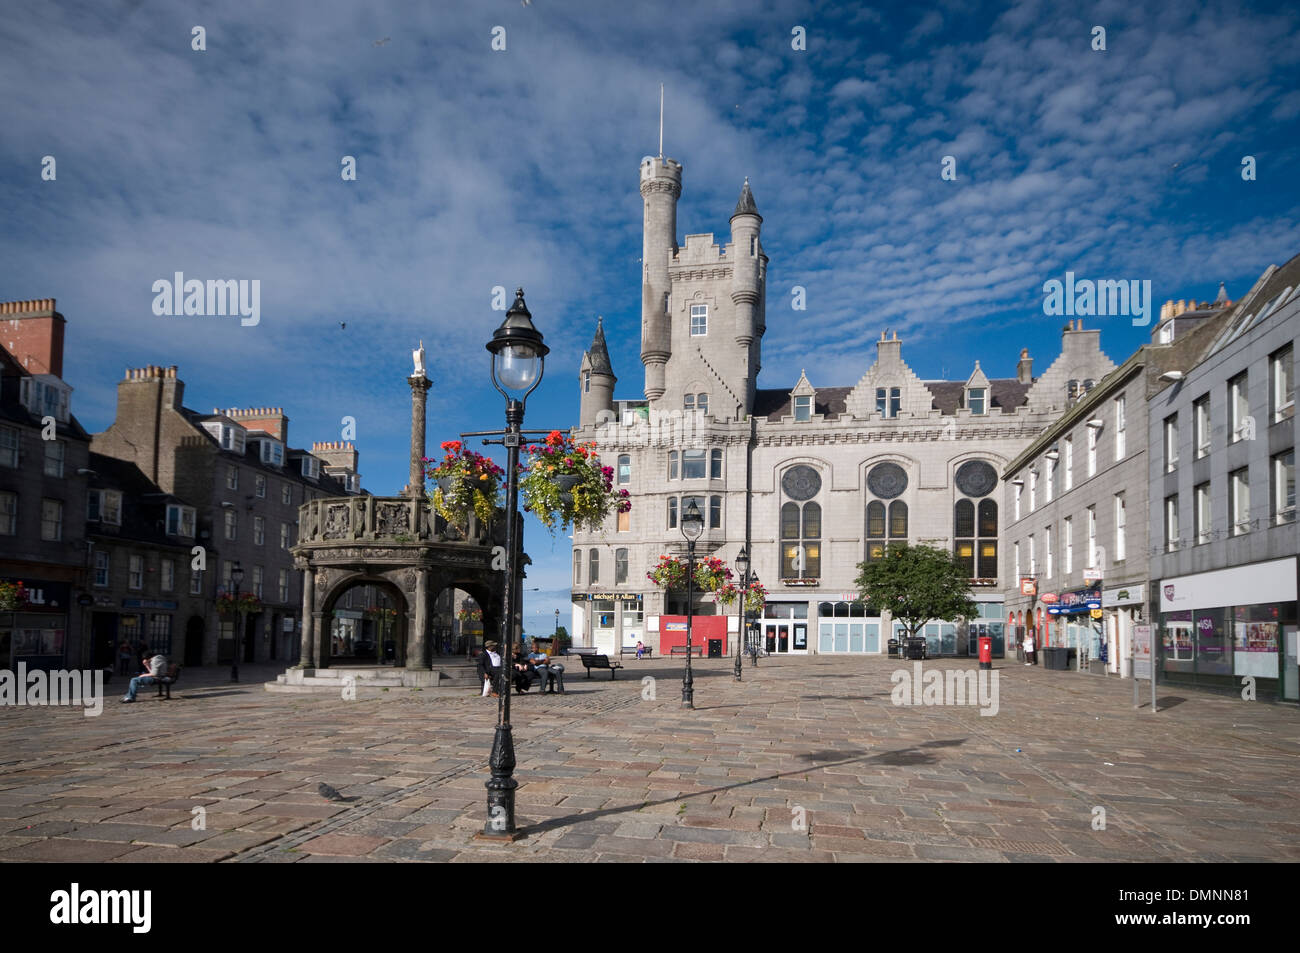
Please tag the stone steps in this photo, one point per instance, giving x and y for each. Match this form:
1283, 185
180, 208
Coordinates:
373, 681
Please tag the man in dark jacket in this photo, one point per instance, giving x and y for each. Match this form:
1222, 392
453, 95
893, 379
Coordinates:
489, 669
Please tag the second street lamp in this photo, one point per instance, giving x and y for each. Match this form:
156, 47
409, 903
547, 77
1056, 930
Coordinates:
237, 578
692, 527
742, 566
518, 356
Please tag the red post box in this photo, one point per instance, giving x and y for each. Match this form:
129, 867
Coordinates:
986, 651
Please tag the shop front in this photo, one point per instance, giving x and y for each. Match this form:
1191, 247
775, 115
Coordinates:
1217, 629
614, 620
1077, 614
36, 634
1121, 609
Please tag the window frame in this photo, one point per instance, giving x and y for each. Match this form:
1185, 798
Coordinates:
980, 394
57, 505
1202, 427
699, 318
803, 404
55, 452
1238, 407
135, 572
101, 572
1202, 514
1171, 442
11, 444
1281, 384
1281, 511
9, 514
1239, 501
1172, 538
1121, 426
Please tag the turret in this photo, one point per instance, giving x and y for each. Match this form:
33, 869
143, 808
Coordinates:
747, 278
596, 380
661, 186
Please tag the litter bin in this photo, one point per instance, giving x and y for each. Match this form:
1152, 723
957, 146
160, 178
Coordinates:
894, 648
390, 650
916, 648
715, 648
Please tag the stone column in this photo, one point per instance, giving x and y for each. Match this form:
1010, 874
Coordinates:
419, 395
305, 655
320, 653
417, 627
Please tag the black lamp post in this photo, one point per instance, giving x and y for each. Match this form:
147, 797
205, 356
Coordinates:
237, 578
742, 566
518, 356
692, 527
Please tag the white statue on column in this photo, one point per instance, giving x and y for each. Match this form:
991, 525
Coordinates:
418, 357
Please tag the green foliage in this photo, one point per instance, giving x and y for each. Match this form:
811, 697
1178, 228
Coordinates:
916, 584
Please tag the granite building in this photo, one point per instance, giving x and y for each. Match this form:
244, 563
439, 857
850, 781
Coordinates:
1223, 526
237, 486
43, 452
816, 476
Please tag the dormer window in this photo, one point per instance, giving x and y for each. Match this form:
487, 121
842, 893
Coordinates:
311, 468
104, 506
976, 400
229, 437
46, 396
803, 407
180, 520
889, 401
271, 452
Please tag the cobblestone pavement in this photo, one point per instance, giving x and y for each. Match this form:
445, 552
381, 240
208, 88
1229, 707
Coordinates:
605, 774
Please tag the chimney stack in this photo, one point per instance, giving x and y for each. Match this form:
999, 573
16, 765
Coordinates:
32, 331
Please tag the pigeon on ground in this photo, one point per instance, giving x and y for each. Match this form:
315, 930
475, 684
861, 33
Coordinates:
325, 791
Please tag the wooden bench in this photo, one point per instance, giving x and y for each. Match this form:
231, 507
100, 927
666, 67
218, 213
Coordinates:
696, 650
600, 661
165, 682
646, 651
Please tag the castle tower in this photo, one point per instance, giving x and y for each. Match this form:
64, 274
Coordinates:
596, 381
747, 281
661, 186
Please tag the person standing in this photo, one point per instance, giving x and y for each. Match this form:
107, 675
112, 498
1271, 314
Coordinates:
489, 669
1030, 657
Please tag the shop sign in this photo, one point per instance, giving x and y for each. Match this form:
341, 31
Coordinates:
1124, 595
44, 596
674, 626
148, 604
613, 597
1260, 583
1077, 601
1029, 586
1141, 651
1094, 613
1047, 598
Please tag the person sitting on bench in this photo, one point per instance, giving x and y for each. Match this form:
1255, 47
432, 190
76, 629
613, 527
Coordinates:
543, 669
157, 668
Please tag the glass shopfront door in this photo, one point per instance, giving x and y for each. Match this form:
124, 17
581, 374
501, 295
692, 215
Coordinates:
776, 637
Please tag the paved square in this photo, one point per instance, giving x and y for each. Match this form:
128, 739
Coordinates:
807, 759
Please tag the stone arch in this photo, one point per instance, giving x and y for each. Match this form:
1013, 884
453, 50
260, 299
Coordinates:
404, 603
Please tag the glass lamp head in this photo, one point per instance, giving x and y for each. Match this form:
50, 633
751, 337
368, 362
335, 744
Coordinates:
518, 352
692, 522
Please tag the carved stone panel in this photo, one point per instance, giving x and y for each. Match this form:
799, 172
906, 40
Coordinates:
392, 519
337, 521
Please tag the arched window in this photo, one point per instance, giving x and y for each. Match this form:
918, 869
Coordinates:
702, 403
593, 567
624, 469
988, 518
812, 521
790, 521
898, 520
964, 520
875, 531
988, 539
620, 566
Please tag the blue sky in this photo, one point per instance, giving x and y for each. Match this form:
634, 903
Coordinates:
478, 168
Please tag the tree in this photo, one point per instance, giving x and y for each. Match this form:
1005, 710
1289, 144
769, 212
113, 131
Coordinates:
916, 584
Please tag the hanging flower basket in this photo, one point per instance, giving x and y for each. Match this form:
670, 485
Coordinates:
470, 615
247, 603
711, 574
381, 613
466, 482
563, 485
13, 596
755, 595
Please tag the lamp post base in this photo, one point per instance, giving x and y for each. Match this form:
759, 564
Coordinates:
501, 788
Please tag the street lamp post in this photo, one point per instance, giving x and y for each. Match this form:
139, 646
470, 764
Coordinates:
742, 566
236, 577
518, 357
692, 526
